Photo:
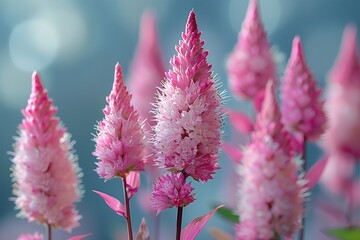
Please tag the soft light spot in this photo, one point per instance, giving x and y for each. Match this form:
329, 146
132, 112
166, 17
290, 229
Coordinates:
33, 44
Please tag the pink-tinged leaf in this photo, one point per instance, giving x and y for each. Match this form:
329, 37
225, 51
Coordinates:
143, 233
133, 183
219, 235
113, 203
234, 153
240, 121
314, 174
195, 226
80, 237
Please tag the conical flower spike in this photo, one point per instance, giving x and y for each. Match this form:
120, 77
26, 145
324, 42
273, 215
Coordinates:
271, 200
250, 64
343, 101
147, 69
119, 142
187, 113
45, 171
302, 108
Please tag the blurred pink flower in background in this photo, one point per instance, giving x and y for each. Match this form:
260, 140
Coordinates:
188, 119
120, 139
251, 65
171, 191
341, 140
271, 196
45, 171
343, 100
302, 108
146, 73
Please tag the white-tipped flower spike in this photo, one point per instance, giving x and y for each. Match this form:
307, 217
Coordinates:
271, 200
45, 171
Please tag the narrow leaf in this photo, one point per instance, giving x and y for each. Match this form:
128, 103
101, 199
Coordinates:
143, 233
219, 235
234, 153
113, 203
314, 174
344, 233
133, 183
240, 121
80, 237
195, 226
228, 214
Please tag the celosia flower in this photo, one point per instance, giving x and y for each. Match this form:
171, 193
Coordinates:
343, 100
302, 108
271, 201
147, 69
119, 142
171, 191
45, 171
250, 64
187, 113
35, 236
146, 73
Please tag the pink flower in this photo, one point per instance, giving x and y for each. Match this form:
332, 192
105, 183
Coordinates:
343, 100
302, 108
147, 69
271, 198
46, 173
171, 191
146, 73
35, 236
187, 113
119, 142
250, 64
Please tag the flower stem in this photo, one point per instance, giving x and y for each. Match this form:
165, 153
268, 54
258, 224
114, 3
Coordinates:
48, 231
127, 205
178, 222
304, 166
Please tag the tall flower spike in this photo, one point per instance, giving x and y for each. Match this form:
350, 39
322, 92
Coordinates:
186, 134
147, 68
343, 102
271, 201
45, 171
119, 142
250, 64
302, 108
146, 73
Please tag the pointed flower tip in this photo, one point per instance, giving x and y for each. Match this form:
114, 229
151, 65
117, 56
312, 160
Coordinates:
191, 25
252, 11
36, 82
297, 50
118, 73
270, 109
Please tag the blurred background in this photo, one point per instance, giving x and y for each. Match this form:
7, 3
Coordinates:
75, 44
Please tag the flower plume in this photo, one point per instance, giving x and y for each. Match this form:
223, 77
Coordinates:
45, 171
302, 107
250, 64
270, 194
187, 114
119, 142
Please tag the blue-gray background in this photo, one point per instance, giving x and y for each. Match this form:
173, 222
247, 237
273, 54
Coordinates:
75, 44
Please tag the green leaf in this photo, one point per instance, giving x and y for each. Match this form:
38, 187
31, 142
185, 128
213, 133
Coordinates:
228, 214
351, 233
